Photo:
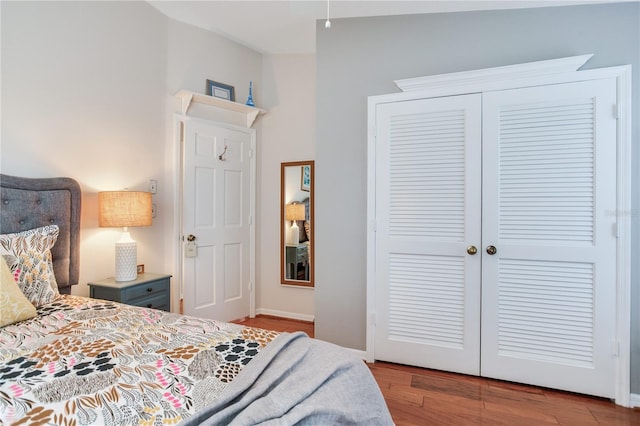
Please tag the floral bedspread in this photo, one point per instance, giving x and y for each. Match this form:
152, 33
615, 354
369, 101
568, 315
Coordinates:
87, 361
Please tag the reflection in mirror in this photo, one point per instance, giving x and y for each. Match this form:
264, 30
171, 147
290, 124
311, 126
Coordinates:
296, 218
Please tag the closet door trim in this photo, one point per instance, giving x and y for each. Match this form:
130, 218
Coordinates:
497, 75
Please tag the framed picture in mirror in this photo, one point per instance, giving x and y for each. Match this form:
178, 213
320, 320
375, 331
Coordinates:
305, 178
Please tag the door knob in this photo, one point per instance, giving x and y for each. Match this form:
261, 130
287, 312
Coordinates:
472, 250
491, 250
191, 237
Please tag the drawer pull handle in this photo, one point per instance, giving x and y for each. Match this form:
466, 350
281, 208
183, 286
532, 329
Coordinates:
149, 305
149, 289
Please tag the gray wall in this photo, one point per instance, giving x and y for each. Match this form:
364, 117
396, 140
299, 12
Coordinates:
361, 57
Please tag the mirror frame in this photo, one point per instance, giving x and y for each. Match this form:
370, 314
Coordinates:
283, 278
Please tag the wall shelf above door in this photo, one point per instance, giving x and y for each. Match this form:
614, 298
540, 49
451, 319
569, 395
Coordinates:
187, 97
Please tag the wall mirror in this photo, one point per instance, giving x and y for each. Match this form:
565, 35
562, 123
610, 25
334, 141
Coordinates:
296, 223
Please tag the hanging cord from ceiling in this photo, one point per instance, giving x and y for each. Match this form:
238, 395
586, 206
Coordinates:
327, 23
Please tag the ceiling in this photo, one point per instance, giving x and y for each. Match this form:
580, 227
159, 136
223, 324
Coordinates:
288, 27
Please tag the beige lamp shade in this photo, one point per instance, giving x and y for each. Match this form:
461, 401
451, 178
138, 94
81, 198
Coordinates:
294, 212
124, 208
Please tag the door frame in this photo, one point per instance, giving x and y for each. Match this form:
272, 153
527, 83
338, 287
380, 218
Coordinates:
178, 204
541, 73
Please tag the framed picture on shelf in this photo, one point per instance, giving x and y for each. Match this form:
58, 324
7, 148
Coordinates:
305, 180
221, 90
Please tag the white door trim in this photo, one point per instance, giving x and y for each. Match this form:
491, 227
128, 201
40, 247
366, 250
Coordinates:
496, 75
623, 287
176, 235
178, 204
475, 82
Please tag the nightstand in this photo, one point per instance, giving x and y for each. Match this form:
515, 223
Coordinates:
147, 290
297, 254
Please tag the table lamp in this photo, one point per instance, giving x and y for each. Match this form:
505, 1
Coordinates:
294, 212
125, 208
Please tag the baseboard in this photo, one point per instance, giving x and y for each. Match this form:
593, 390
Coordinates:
309, 318
301, 317
358, 353
284, 314
634, 400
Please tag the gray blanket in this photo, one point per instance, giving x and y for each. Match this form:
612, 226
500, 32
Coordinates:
297, 380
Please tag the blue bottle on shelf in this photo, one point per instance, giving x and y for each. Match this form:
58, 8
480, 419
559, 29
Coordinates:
250, 98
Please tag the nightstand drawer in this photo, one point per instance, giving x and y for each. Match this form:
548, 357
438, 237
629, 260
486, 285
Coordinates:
297, 253
302, 254
157, 302
145, 290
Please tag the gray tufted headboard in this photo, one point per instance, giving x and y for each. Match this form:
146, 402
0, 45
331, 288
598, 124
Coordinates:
27, 203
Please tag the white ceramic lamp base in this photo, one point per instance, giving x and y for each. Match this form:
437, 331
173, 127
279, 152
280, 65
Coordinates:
294, 234
126, 258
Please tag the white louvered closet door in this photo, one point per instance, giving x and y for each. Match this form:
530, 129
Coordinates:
549, 201
428, 189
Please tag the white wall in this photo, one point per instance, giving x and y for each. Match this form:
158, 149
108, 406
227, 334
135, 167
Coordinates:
83, 96
87, 92
195, 55
288, 134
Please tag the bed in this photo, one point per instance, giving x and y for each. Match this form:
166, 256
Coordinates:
70, 360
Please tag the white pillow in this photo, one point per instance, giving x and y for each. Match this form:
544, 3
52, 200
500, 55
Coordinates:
28, 255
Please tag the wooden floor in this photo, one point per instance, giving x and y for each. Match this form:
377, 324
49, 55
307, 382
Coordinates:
278, 324
417, 396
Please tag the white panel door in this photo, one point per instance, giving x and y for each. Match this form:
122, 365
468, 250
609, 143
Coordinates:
549, 202
428, 189
216, 211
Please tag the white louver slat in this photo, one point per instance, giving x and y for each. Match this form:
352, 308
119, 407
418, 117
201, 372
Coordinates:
547, 171
426, 174
426, 299
546, 311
